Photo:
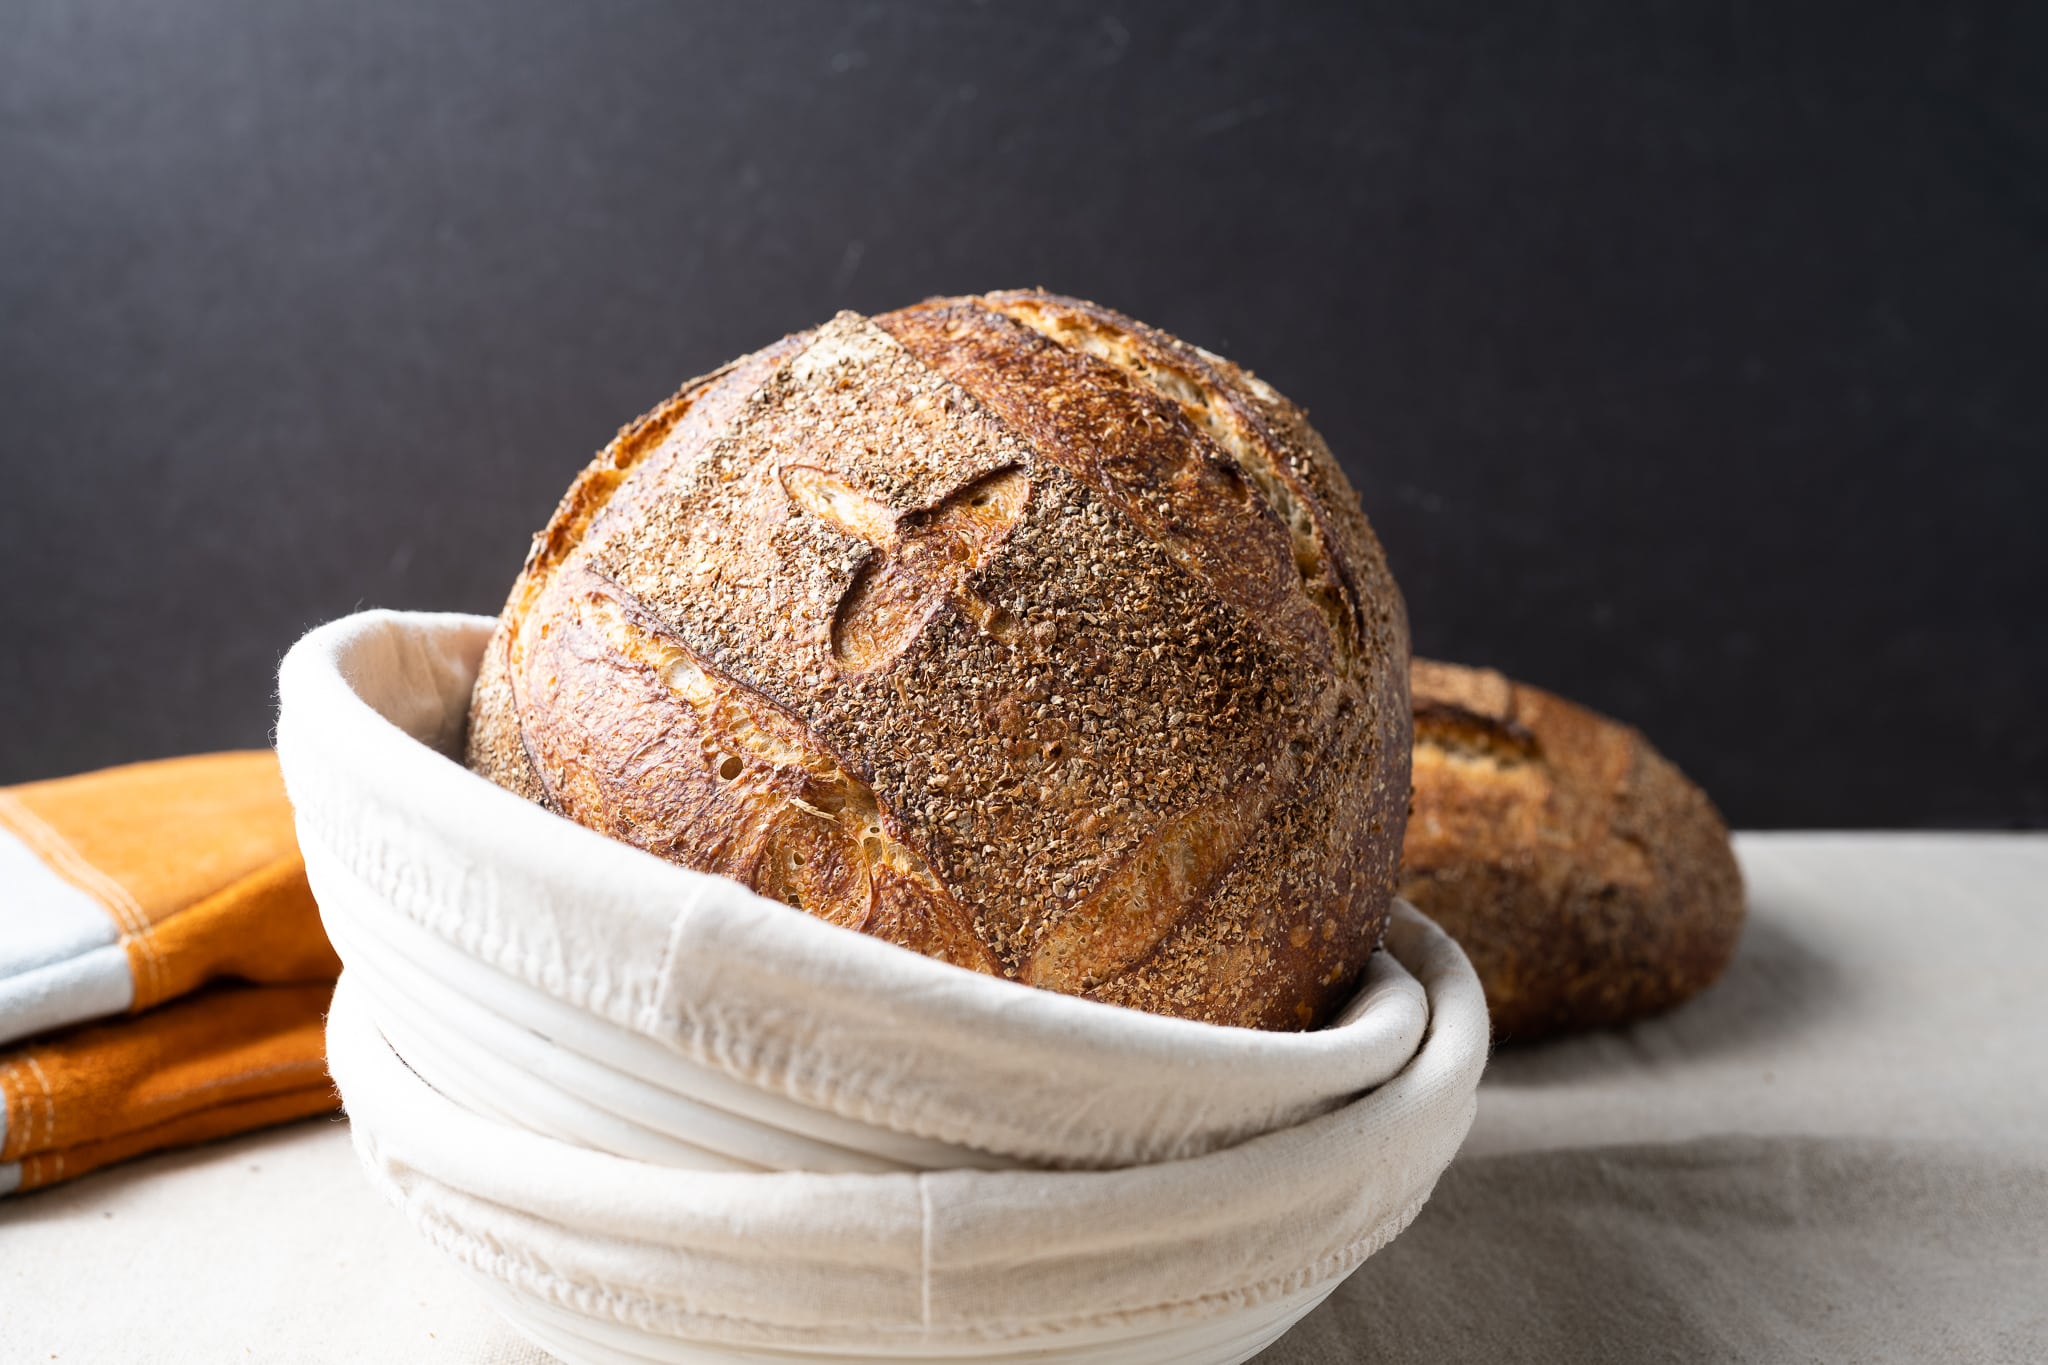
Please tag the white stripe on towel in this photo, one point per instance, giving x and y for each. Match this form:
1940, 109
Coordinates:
60, 954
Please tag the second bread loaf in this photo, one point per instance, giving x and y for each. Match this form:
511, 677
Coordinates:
1589, 881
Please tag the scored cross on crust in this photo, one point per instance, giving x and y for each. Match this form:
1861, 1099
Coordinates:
920, 559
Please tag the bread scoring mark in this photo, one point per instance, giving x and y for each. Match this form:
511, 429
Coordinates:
1210, 410
789, 820
747, 735
1464, 734
840, 505
921, 560
1135, 450
1131, 909
727, 556
1173, 876
1470, 714
1481, 691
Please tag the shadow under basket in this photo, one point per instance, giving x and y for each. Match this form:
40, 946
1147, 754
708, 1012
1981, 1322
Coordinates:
660, 1118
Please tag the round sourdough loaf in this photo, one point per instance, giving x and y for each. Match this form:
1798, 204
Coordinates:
1587, 879
1003, 628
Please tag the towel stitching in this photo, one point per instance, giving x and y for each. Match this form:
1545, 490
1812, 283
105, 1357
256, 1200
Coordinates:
44, 839
49, 1104
288, 862
140, 929
43, 1168
7, 1104
218, 1081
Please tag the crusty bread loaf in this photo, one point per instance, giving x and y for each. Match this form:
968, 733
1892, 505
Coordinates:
1587, 879
1003, 628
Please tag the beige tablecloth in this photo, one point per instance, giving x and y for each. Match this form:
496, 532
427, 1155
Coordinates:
1840, 1153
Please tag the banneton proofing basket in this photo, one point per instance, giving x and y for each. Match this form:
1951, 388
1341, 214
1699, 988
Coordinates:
660, 1118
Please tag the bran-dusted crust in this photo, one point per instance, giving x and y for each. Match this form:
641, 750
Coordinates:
1002, 628
1589, 882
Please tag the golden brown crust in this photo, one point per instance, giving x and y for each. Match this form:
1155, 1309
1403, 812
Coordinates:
495, 747
1341, 566
674, 433
1587, 879
1131, 447
981, 643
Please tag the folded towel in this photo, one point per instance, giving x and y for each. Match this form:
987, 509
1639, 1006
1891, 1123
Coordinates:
124, 889
230, 1058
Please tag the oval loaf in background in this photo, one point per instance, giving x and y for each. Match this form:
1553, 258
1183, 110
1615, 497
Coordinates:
1004, 628
1588, 880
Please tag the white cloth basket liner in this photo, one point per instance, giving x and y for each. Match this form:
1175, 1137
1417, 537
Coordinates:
667, 1119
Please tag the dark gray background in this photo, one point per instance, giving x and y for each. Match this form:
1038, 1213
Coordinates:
1689, 359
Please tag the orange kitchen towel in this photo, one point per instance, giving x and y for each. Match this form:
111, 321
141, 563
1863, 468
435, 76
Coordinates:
123, 888
172, 893
230, 1058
